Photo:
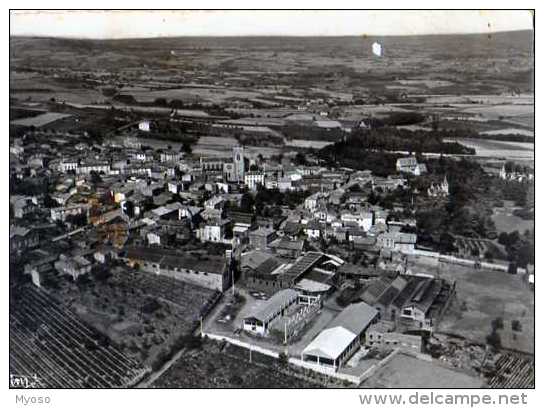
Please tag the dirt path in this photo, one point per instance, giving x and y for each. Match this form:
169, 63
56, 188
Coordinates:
148, 382
154, 376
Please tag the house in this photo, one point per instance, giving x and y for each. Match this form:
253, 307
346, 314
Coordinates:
271, 183
23, 205
261, 237
68, 165
74, 266
242, 223
104, 254
40, 269
367, 243
168, 211
216, 203
213, 230
61, 213
334, 346
170, 156
314, 201
508, 172
388, 184
397, 241
144, 126
286, 184
410, 165
253, 179
291, 229
314, 229
97, 166
288, 248
364, 219
21, 239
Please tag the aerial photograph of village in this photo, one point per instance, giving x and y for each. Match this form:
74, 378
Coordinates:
194, 211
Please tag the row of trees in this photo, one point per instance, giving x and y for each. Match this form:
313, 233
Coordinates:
394, 139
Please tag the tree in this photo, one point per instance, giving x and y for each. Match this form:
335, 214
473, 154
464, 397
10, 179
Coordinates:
100, 273
373, 198
228, 231
488, 256
300, 159
516, 325
494, 340
193, 342
79, 220
447, 242
283, 359
95, 177
48, 202
503, 238
186, 147
497, 324
247, 202
160, 102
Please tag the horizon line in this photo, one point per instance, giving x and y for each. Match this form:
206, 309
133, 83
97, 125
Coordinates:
68, 37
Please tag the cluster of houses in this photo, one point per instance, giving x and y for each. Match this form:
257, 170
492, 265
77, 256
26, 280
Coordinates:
159, 197
161, 212
510, 172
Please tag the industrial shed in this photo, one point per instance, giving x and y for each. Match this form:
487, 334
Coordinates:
342, 337
260, 321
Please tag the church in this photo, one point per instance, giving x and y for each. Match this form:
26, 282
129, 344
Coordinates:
439, 190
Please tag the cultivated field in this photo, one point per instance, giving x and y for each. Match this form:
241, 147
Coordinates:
404, 371
512, 371
218, 365
222, 147
143, 313
40, 120
506, 221
483, 296
49, 341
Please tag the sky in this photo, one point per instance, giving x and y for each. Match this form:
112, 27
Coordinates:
140, 24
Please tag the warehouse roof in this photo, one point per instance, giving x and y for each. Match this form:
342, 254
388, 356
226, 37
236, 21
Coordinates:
275, 304
303, 264
330, 343
344, 328
171, 259
356, 317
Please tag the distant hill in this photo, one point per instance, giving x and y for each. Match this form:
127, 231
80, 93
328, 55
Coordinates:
475, 63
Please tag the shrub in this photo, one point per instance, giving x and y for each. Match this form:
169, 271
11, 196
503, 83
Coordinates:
494, 340
497, 324
283, 359
516, 325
